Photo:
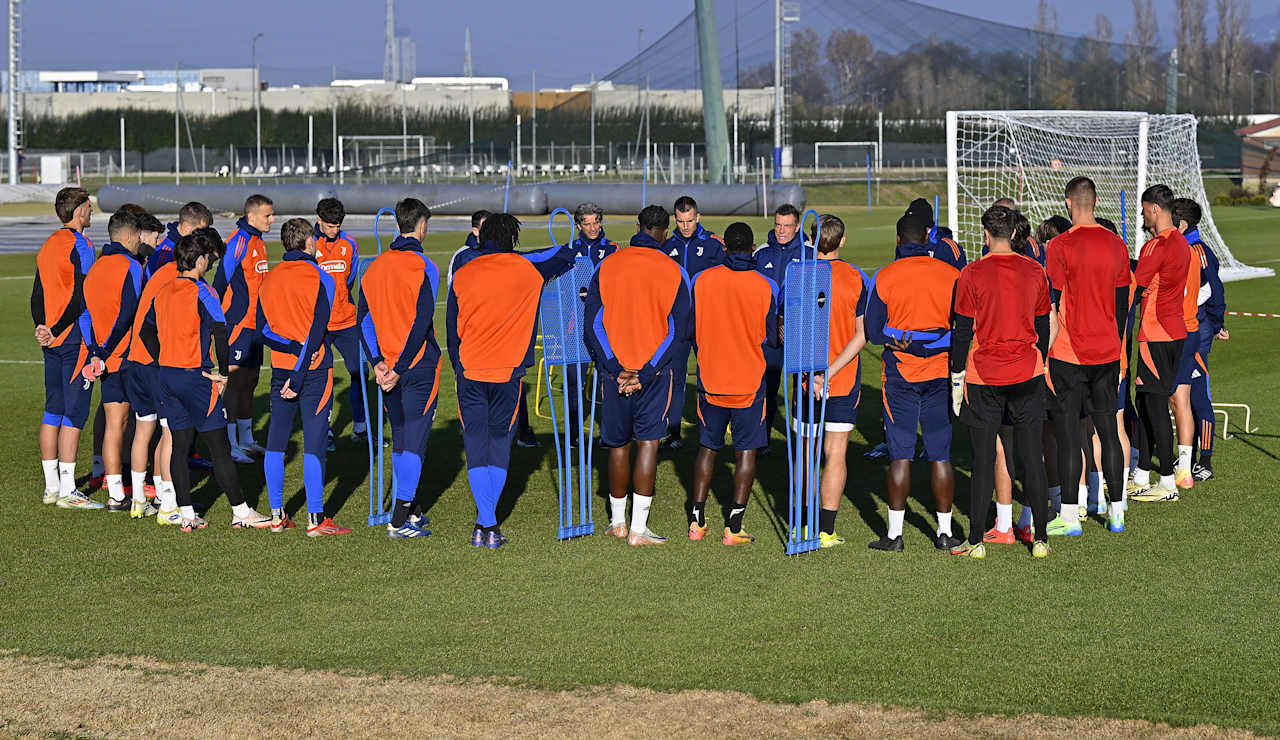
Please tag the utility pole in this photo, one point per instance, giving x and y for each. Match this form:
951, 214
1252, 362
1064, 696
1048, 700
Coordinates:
468, 72
534, 106
177, 138
1171, 87
257, 99
717, 139
593, 125
15, 132
777, 89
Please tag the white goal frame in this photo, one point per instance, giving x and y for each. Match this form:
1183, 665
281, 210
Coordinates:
873, 145
400, 142
1013, 141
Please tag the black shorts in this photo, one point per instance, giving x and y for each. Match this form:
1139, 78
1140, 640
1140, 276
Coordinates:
1156, 367
987, 405
1088, 389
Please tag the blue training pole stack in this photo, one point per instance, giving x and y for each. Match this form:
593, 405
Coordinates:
807, 308
561, 313
379, 511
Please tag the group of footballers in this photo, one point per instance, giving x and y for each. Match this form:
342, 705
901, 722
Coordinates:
1029, 346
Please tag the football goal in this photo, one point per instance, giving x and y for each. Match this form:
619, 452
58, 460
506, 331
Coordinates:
1030, 155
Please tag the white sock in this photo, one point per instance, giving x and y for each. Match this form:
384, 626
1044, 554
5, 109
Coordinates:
50, 475
617, 511
98, 467
232, 436
1082, 498
1070, 512
139, 484
359, 426
944, 523
895, 522
1004, 517
1184, 457
167, 495
115, 488
245, 428
1116, 508
1141, 477
188, 512
66, 478
640, 512
1024, 517
242, 509
1166, 481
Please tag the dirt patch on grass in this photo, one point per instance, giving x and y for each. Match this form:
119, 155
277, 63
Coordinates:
143, 697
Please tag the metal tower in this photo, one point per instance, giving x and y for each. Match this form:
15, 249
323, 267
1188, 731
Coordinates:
15, 113
391, 55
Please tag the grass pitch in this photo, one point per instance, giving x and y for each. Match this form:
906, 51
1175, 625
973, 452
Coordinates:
1174, 621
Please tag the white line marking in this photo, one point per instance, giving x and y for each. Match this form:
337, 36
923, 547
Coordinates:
21, 362
18, 277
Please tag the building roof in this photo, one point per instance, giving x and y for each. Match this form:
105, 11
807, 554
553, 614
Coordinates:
1265, 130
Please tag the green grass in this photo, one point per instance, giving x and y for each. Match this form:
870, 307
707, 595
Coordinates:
1173, 621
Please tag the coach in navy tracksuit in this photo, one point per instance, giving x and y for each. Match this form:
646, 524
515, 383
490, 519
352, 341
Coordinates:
695, 249
784, 246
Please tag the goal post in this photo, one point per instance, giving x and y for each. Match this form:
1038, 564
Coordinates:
873, 146
1030, 156
377, 153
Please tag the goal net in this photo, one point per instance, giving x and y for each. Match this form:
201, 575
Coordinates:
1030, 155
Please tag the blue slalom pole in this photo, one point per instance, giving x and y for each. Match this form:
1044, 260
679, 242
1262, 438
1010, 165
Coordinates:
1124, 220
506, 194
380, 515
868, 182
644, 184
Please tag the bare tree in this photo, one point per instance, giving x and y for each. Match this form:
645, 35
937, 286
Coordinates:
1232, 51
1140, 58
1049, 60
849, 53
1191, 48
806, 72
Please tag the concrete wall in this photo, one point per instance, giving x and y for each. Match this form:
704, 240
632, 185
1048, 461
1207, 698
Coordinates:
755, 103
317, 99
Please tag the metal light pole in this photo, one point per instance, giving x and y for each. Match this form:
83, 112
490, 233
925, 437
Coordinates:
12, 92
257, 103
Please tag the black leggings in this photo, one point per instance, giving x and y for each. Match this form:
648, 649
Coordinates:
1072, 450
1028, 439
224, 468
1157, 429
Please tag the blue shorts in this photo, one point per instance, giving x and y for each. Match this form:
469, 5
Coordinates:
1187, 363
111, 387
141, 390
926, 404
188, 400
246, 350
313, 403
1123, 393
640, 417
841, 413
66, 392
749, 432
411, 409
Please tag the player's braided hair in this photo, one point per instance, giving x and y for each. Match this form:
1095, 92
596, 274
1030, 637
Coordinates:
501, 230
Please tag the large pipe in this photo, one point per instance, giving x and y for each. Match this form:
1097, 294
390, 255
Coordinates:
713, 200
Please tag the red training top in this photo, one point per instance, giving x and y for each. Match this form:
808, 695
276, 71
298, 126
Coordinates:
1162, 273
1003, 293
1086, 264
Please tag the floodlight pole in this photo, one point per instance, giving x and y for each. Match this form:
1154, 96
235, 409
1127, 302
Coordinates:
13, 95
257, 99
777, 89
177, 139
717, 139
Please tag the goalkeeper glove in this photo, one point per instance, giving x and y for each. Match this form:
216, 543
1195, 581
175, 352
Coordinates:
957, 391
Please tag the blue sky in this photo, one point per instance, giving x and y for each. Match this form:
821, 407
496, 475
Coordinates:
564, 41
